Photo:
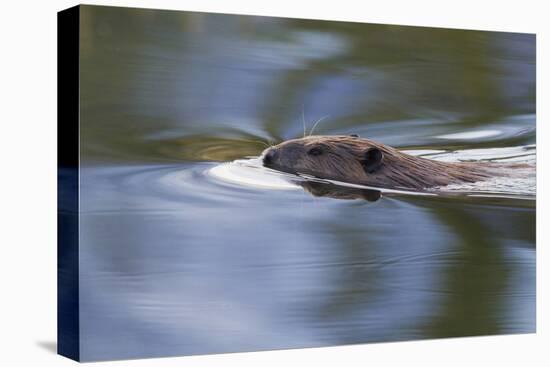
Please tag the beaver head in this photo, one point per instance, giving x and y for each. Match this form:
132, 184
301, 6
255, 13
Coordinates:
332, 157
362, 161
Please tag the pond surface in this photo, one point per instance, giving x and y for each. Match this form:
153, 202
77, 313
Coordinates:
183, 252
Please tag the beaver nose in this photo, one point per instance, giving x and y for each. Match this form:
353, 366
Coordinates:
270, 156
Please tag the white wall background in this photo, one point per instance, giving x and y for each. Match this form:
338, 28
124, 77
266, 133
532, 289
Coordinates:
28, 182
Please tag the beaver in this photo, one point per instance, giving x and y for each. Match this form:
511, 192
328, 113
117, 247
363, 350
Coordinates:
356, 160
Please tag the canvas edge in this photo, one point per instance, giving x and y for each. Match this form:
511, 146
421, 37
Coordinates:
68, 323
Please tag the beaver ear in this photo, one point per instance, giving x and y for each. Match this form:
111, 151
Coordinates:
373, 160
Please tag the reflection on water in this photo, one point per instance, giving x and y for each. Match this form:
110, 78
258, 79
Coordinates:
175, 260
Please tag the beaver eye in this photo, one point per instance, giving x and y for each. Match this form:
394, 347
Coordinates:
315, 151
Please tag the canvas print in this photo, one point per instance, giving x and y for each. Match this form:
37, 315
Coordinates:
232, 183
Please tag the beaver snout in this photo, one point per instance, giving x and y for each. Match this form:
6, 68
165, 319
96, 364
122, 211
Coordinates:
270, 156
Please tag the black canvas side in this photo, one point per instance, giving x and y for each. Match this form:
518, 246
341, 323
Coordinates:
68, 341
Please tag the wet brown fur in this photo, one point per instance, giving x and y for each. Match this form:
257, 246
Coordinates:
343, 157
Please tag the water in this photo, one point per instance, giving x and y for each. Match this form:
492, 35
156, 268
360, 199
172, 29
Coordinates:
189, 246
